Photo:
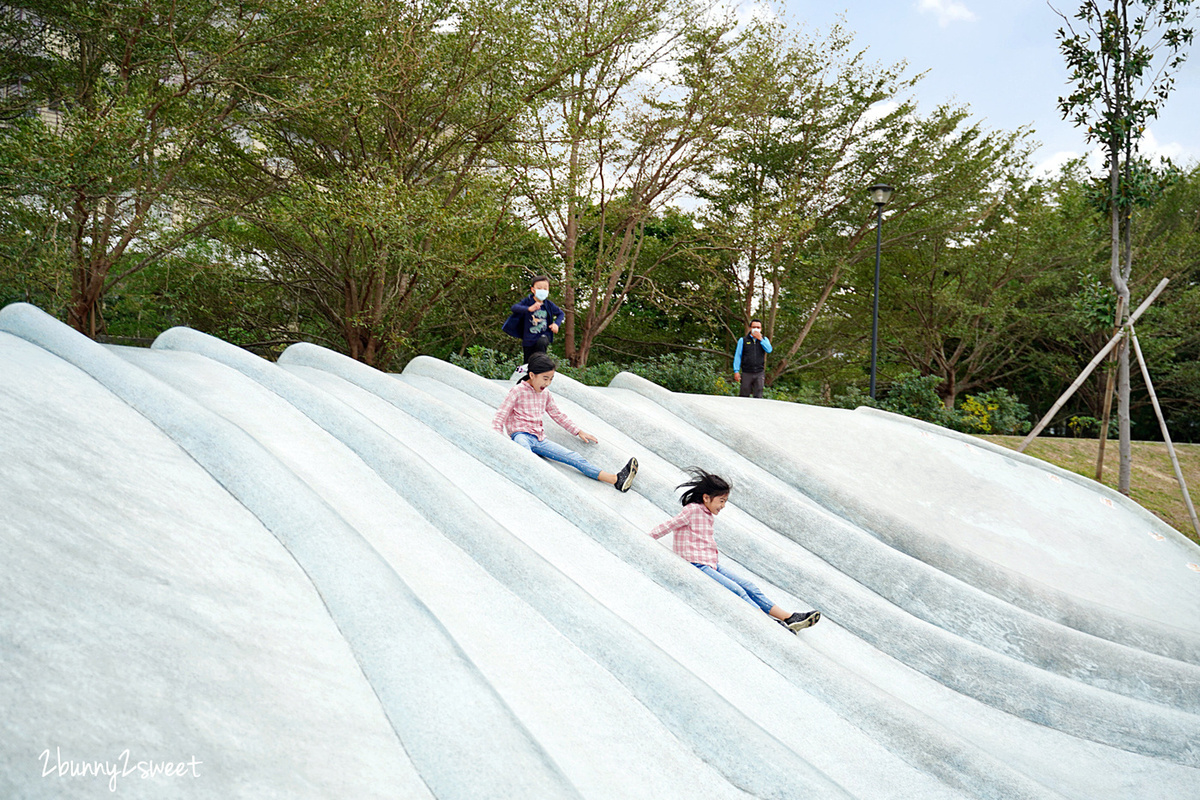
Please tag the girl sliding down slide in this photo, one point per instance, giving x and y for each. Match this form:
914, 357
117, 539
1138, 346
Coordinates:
520, 417
706, 495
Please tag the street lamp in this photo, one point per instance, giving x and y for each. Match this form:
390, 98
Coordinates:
880, 194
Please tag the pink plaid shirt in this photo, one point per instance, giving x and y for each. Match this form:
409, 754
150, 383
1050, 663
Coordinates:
693, 529
523, 410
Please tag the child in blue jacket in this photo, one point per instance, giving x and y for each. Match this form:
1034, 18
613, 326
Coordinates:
535, 319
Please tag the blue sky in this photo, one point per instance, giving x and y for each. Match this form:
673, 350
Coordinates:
1000, 58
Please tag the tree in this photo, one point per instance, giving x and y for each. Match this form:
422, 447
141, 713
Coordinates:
113, 109
626, 128
1116, 91
788, 196
971, 305
384, 195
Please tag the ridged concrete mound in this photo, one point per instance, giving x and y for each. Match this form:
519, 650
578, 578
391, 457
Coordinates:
227, 578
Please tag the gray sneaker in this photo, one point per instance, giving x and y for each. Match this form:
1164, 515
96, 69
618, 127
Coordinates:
798, 621
625, 476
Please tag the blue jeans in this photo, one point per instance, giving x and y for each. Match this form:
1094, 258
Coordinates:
555, 452
737, 584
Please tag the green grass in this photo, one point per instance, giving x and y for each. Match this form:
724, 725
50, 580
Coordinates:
1152, 481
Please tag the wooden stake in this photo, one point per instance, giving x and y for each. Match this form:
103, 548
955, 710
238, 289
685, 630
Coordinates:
1187, 498
1090, 367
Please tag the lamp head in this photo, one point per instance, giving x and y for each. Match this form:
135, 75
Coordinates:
881, 193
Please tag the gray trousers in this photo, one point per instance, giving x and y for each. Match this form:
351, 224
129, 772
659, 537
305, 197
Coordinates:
752, 384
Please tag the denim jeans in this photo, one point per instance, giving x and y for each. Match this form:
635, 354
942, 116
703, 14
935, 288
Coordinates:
555, 452
737, 584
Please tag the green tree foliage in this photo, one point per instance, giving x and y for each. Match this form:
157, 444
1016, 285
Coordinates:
670, 307
383, 204
788, 197
1117, 88
969, 304
112, 111
626, 127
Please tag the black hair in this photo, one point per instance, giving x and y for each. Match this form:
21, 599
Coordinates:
537, 279
702, 483
539, 363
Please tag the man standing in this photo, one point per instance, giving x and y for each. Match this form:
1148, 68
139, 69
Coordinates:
749, 361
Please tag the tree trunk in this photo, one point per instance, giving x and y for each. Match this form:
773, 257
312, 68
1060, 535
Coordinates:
1109, 386
1122, 287
1120, 276
569, 242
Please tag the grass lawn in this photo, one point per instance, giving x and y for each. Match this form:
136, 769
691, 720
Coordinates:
1152, 480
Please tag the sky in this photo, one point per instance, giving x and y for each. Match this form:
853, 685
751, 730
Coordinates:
1000, 58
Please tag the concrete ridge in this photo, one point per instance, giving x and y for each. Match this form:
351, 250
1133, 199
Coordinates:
762, 766
350, 578
890, 721
1022, 591
1104, 660
1062, 702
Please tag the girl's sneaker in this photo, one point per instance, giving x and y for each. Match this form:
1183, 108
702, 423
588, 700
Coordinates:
625, 476
798, 621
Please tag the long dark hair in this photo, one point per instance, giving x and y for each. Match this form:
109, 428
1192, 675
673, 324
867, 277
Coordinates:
702, 483
538, 363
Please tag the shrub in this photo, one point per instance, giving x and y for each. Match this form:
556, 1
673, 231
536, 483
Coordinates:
685, 372
914, 395
1089, 427
486, 362
995, 411
852, 398
600, 374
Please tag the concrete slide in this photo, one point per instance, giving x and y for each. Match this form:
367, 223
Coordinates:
229, 578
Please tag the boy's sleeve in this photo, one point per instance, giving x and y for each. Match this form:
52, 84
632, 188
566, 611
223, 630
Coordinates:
675, 523
559, 316
522, 307
558, 416
505, 409
737, 356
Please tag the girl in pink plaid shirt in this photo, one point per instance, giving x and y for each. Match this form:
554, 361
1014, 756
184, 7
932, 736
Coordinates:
520, 417
706, 495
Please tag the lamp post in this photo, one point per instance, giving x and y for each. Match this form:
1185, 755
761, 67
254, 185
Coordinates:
880, 194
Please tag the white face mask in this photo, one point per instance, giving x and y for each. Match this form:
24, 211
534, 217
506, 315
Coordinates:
541, 294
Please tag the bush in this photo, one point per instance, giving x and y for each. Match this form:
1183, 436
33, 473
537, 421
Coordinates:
1089, 427
596, 375
685, 372
486, 362
852, 398
914, 395
995, 411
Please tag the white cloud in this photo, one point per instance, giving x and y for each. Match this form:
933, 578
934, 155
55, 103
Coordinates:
947, 11
1053, 164
1149, 147
881, 110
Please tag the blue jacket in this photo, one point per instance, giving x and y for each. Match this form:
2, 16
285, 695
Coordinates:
528, 326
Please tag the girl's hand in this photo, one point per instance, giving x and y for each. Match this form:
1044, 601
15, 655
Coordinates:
587, 437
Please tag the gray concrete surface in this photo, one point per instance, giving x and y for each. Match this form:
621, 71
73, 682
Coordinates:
312, 579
